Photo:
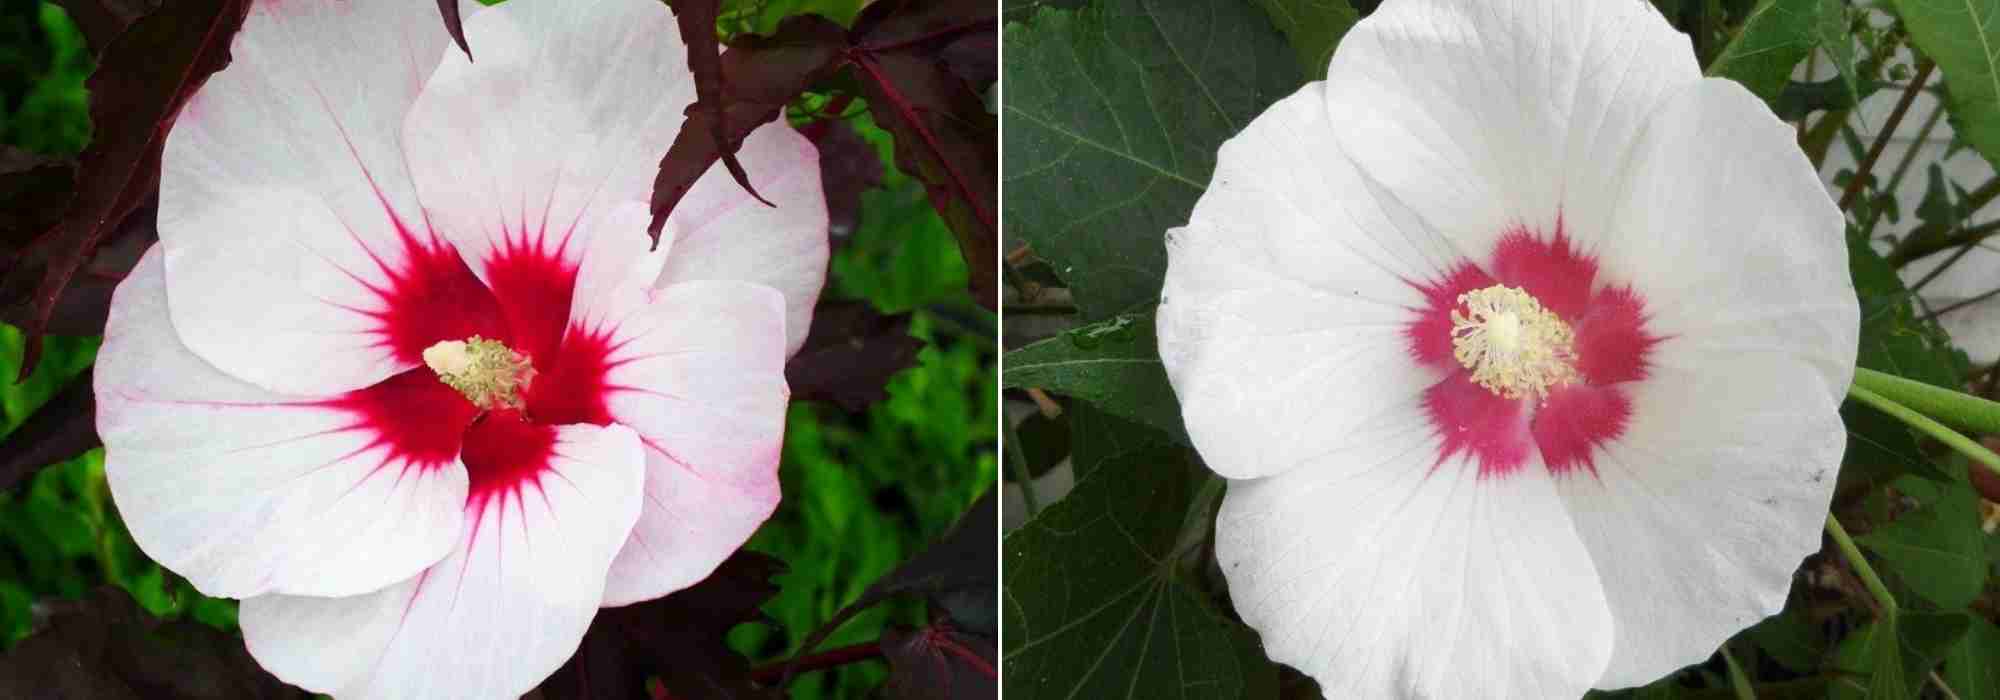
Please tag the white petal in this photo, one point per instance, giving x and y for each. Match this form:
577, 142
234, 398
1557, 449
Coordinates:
720, 233
699, 373
1719, 486
1286, 290
1700, 513
1730, 239
283, 189
244, 491
1399, 581
492, 620
563, 116
1478, 115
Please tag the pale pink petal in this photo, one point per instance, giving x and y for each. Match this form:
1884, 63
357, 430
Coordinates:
1700, 512
493, 619
1285, 300
1409, 577
697, 369
1483, 115
284, 201
720, 233
564, 117
244, 491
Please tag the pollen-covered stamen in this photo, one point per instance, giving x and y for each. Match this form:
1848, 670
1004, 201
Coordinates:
486, 372
1512, 345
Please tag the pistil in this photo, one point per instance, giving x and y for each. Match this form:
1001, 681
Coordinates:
1513, 346
486, 372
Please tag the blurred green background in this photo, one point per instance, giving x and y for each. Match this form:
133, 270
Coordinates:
863, 491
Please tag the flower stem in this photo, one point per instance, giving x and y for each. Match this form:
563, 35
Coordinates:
1861, 568
1953, 408
1951, 438
818, 662
1737, 679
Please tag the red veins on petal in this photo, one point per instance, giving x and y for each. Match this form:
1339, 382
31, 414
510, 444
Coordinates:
433, 295
1611, 347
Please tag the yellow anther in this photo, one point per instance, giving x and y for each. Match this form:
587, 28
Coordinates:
1512, 345
486, 372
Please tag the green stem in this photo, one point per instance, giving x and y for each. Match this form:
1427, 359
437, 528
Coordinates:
1019, 466
1737, 679
1951, 438
1861, 568
1953, 408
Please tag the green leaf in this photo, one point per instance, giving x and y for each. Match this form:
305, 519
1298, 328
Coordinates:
1097, 436
1937, 550
1114, 113
1776, 36
1919, 641
1963, 36
1895, 341
1835, 35
1789, 637
1098, 604
1314, 28
1114, 364
1969, 667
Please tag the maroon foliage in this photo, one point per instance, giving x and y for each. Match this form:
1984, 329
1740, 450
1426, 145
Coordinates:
105, 648
448, 11
678, 639
849, 355
847, 167
939, 661
143, 78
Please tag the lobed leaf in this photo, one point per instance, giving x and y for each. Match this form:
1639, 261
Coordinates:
105, 647
1106, 152
1098, 606
1113, 364
1314, 28
939, 662
1776, 36
849, 355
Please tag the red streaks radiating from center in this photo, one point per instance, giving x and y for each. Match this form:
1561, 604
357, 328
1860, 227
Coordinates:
432, 295
1611, 347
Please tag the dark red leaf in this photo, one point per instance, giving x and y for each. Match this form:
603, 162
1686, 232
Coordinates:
61, 429
847, 167
105, 647
448, 9
749, 85
677, 639
946, 138
849, 355
939, 661
33, 191
103, 20
84, 305
923, 65
142, 79
960, 573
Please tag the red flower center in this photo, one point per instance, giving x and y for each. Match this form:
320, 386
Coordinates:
434, 296
1610, 346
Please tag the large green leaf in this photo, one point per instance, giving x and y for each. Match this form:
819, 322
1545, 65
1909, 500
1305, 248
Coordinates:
1314, 28
1114, 364
1894, 340
1970, 667
1098, 603
1114, 113
1937, 550
1776, 36
1963, 36
1920, 640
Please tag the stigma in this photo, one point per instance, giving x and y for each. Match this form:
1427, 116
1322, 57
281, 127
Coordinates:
485, 372
1513, 346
